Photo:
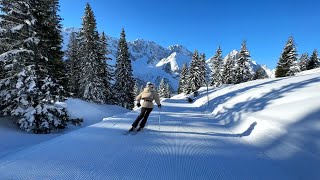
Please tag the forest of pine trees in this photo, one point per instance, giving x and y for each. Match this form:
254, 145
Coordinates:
32, 67
35, 73
289, 64
91, 78
236, 69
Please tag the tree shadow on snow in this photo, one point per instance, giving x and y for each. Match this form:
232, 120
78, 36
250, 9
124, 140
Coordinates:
299, 147
232, 116
245, 133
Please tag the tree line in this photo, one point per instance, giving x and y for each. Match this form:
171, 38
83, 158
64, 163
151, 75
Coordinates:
236, 69
34, 76
90, 76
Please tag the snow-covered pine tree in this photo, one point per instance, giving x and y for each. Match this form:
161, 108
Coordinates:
124, 81
242, 70
216, 69
294, 68
106, 69
303, 61
162, 89
203, 69
229, 73
183, 81
314, 60
168, 91
287, 59
27, 89
260, 74
92, 83
195, 78
49, 27
73, 64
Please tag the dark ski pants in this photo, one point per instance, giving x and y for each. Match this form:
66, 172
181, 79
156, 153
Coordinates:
143, 114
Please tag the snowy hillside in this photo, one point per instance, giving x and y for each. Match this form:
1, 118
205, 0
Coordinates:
152, 62
263, 129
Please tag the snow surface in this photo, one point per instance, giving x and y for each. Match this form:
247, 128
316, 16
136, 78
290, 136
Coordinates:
263, 129
13, 139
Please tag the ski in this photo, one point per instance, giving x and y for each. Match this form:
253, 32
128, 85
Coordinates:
127, 132
136, 132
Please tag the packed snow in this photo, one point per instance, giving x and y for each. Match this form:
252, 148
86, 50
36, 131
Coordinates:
263, 129
13, 139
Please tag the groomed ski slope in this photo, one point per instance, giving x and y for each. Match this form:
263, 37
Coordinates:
264, 129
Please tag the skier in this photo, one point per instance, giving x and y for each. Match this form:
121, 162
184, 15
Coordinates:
147, 95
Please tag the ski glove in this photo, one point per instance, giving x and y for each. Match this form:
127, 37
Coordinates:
138, 104
159, 106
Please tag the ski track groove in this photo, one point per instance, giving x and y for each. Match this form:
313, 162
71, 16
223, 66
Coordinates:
216, 172
177, 151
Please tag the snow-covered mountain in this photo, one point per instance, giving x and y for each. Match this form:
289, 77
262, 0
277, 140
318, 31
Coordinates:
152, 62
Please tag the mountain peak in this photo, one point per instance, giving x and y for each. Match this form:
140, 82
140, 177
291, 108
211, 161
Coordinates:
179, 49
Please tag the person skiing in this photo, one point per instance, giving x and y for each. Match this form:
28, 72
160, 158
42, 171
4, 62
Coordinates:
147, 95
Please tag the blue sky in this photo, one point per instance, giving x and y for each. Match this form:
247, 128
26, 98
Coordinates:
206, 24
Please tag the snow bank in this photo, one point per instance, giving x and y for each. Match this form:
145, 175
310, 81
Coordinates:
13, 139
272, 112
90, 112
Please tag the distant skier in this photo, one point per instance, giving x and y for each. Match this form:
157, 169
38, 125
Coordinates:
147, 95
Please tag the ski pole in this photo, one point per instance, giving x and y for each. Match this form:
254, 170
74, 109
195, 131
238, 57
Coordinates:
159, 118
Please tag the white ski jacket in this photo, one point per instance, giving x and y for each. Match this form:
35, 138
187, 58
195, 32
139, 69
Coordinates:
148, 95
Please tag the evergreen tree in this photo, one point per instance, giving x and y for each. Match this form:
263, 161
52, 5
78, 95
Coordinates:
303, 61
124, 81
287, 60
28, 90
294, 68
203, 70
105, 68
216, 69
242, 70
73, 64
48, 27
92, 79
183, 81
229, 71
195, 78
162, 89
168, 91
314, 60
